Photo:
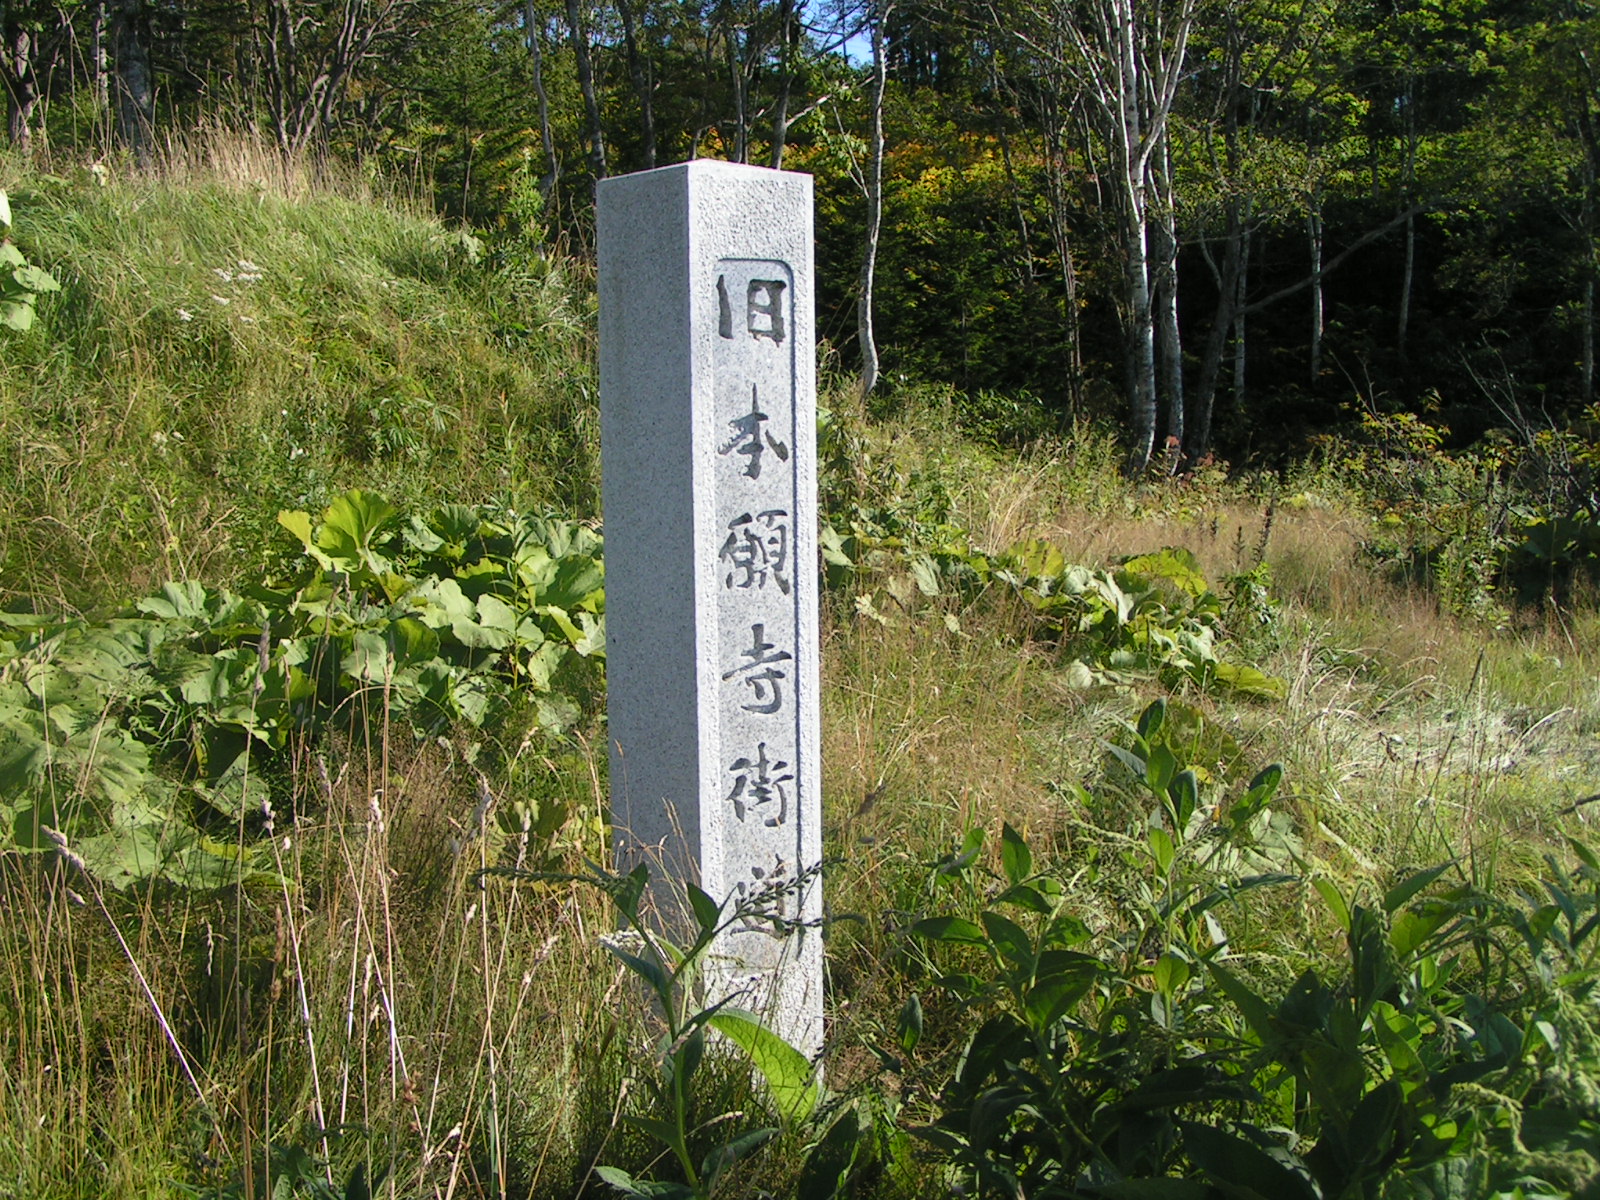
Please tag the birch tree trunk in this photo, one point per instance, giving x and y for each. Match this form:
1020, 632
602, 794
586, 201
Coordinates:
1168, 343
99, 62
22, 86
1318, 322
1407, 184
1128, 148
1128, 55
535, 30
874, 191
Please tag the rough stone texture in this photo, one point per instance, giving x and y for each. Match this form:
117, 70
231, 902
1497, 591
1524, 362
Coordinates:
708, 447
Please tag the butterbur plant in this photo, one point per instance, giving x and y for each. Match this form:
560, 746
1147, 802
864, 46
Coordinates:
136, 735
694, 1027
21, 283
1156, 614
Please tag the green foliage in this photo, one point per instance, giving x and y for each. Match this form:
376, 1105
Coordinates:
292, 1171
1154, 615
222, 353
1500, 521
1143, 1059
131, 738
1176, 770
21, 283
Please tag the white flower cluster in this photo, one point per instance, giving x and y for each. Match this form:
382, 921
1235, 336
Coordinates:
244, 272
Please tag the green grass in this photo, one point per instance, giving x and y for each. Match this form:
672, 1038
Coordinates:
365, 999
221, 351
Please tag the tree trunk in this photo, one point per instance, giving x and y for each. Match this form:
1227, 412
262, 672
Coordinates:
22, 86
101, 75
1021, 213
1139, 331
788, 36
1059, 226
639, 74
591, 106
552, 167
874, 190
733, 51
1588, 336
1240, 319
1588, 220
1169, 346
1318, 323
130, 49
1408, 177
1140, 349
1203, 398
1403, 322
1230, 292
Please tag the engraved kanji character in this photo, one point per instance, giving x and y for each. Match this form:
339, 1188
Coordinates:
751, 438
757, 548
759, 674
763, 309
759, 783
762, 899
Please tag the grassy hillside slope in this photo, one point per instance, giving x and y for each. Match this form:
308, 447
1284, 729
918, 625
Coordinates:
221, 349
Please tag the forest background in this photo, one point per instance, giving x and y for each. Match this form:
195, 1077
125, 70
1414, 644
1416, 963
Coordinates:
1230, 226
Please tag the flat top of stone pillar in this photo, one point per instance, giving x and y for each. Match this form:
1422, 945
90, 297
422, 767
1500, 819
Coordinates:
704, 166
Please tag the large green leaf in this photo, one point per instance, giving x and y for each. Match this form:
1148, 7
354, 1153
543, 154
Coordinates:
1016, 860
1036, 559
349, 527
1177, 566
1248, 681
788, 1073
1243, 1169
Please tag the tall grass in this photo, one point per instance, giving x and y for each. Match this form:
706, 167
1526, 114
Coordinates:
366, 1003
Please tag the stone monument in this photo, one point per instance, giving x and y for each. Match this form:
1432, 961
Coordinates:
708, 452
